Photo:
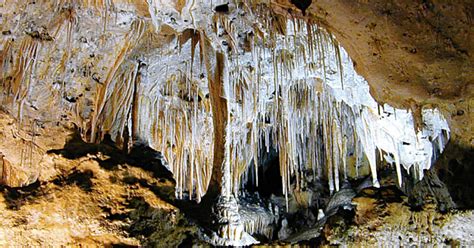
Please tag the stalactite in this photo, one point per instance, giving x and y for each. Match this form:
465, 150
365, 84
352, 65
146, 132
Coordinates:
258, 85
289, 90
18, 88
103, 90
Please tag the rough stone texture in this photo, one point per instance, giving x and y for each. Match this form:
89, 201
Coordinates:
22, 151
431, 190
97, 196
378, 222
455, 168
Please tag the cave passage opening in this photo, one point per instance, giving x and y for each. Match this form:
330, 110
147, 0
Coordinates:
269, 176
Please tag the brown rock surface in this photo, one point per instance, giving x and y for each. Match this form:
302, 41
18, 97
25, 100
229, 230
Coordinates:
93, 198
22, 151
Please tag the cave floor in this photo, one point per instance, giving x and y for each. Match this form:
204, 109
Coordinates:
94, 195
90, 205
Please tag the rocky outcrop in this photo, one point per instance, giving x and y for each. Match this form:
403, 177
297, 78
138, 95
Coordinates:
431, 190
98, 197
23, 157
455, 168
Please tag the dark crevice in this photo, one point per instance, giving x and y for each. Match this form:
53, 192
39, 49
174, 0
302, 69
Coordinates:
17, 197
269, 177
303, 5
455, 169
140, 156
80, 178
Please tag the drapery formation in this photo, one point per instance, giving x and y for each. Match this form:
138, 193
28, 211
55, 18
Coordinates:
212, 90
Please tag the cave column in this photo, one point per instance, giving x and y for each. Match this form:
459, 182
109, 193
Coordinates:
220, 179
227, 219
